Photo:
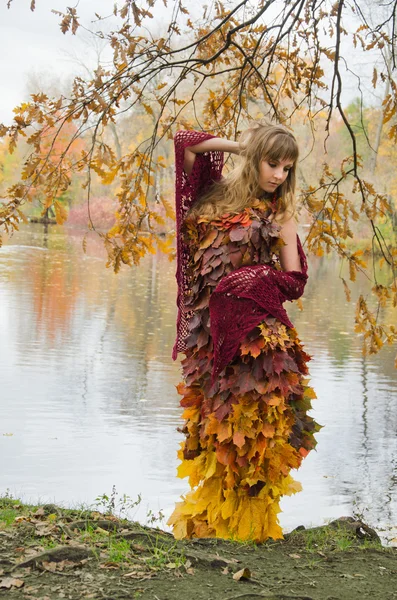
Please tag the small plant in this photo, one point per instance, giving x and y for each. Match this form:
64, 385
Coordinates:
7, 499
92, 535
116, 504
46, 542
152, 518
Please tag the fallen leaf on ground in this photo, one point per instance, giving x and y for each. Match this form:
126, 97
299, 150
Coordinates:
242, 574
53, 566
294, 555
109, 565
138, 575
9, 582
30, 589
21, 518
138, 547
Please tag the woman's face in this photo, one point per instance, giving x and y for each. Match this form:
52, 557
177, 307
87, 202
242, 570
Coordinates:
273, 173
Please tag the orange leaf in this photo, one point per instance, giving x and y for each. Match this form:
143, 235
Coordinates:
268, 430
239, 439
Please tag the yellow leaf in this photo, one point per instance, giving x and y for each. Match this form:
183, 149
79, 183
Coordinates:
229, 507
242, 574
169, 211
310, 393
210, 466
148, 108
61, 213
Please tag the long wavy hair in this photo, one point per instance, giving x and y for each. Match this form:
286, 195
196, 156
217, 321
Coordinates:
235, 191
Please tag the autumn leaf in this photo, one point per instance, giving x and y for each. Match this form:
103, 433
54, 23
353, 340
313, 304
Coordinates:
61, 214
10, 582
244, 573
254, 348
209, 238
239, 439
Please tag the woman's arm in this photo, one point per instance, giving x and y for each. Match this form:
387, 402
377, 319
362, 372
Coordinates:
289, 256
211, 145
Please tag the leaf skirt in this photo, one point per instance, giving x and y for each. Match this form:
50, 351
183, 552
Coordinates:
243, 435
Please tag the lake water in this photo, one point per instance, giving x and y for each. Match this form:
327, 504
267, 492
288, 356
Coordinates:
88, 398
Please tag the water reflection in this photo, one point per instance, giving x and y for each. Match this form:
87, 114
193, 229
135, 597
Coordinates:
88, 385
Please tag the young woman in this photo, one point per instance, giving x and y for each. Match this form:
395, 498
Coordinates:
244, 392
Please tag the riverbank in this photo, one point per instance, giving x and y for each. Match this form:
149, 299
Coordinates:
47, 553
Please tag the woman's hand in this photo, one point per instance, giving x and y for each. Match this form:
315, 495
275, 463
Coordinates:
289, 257
211, 145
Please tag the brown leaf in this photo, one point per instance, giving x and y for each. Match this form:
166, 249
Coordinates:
9, 582
135, 574
242, 574
52, 566
209, 238
110, 565
237, 234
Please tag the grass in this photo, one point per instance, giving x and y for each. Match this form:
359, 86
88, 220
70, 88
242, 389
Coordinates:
330, 539
47, 542
119, 550
7, 516
157, 553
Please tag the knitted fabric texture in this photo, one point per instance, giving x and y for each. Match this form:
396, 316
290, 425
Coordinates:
206, 169
246, 297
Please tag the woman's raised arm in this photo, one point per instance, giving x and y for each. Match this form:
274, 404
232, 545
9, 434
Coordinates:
211, 145
289, 256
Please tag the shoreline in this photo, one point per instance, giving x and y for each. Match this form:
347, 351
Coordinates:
49, 552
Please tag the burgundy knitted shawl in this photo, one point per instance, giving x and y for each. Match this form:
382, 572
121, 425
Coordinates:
244, 297
206, 169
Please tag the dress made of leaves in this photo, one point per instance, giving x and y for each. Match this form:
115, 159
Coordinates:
246, 413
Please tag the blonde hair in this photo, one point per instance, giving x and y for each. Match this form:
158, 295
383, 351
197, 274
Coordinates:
262, 141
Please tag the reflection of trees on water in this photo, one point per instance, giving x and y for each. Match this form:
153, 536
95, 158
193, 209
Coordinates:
139, 345
361, 453
366, 441
140, 336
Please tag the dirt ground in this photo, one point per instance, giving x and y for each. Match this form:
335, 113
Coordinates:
47, 552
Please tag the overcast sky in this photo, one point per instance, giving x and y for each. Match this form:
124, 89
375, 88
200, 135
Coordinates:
32, 45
